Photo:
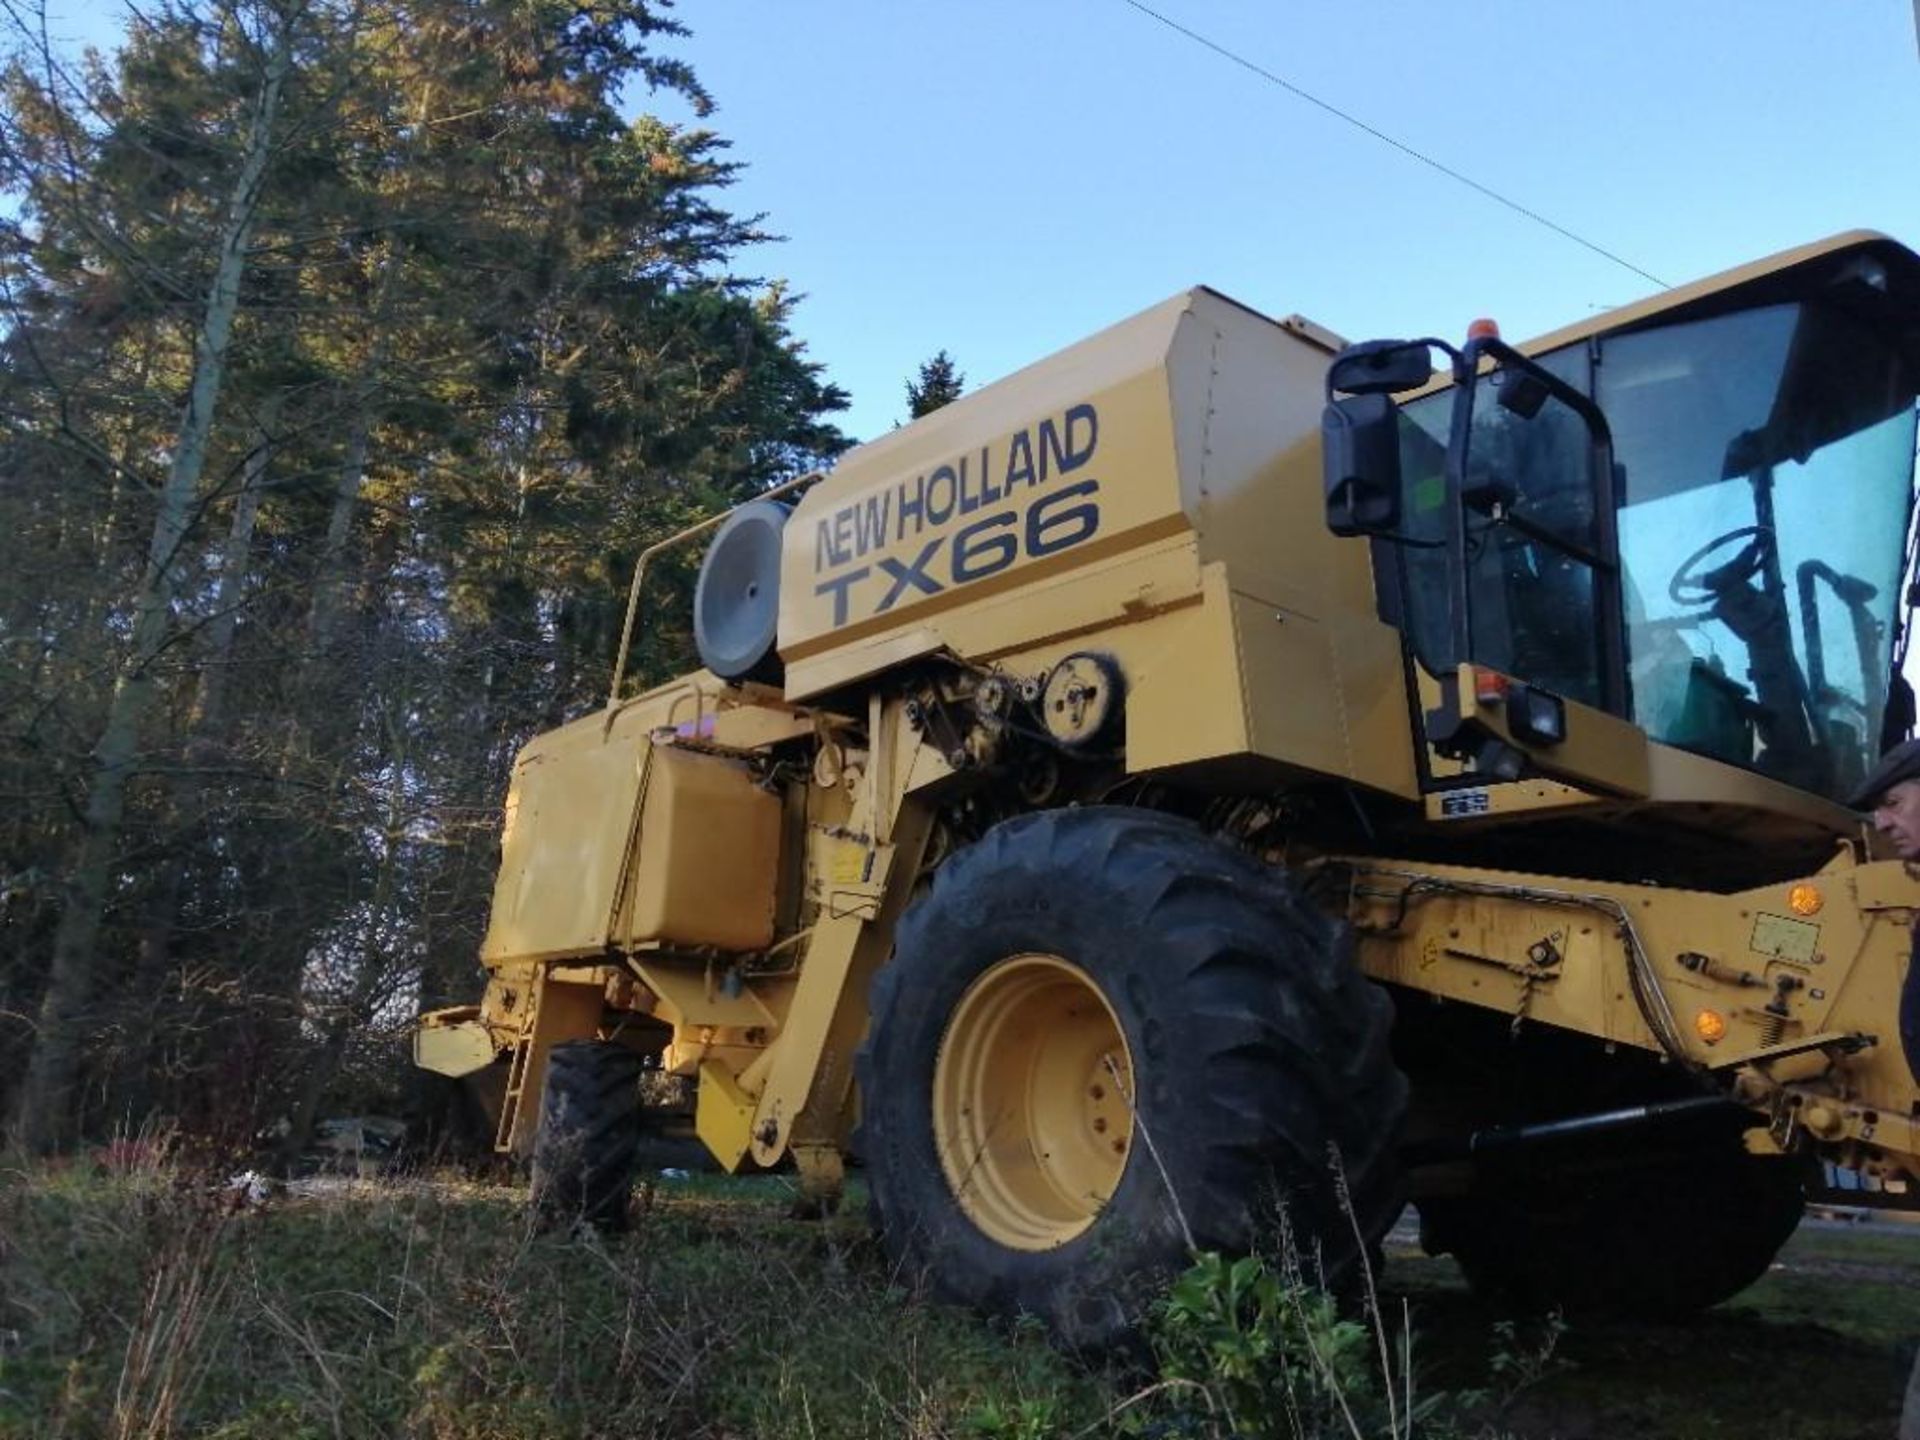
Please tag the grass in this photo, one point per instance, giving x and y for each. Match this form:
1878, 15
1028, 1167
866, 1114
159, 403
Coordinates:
135, 1303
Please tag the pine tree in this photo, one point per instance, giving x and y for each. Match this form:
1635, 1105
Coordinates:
938, 383
307, 523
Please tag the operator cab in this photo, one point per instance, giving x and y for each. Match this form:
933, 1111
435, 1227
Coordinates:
1693, 517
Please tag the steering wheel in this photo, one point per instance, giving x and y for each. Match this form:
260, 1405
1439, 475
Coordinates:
1694, 585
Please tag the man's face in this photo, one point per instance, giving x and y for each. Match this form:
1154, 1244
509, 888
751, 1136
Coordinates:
1897, 816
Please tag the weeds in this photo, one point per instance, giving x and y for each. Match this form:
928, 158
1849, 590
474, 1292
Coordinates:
169, 1346
132, 1304
135, 1302
1257, 1347
1248, 1347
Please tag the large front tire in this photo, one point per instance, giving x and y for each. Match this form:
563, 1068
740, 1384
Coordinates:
1106, 1040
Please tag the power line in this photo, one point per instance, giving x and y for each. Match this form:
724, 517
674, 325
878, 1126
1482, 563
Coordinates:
1401, 146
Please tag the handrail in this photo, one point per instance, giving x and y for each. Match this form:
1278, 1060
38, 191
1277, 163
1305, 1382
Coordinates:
640, 570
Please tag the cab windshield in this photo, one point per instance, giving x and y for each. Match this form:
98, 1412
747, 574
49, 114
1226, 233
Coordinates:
1763, 461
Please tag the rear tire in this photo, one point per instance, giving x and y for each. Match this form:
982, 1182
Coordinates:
1105, 1040
1654, 1236
589, 1137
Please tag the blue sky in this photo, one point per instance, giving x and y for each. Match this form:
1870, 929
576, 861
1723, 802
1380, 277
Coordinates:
1001, 179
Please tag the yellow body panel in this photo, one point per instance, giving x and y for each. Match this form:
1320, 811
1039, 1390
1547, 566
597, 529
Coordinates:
1324, 695
708, 858
1599, 749
598, 817
569, 816
687, 995
1056, 466
1564, 952
723, 1116
561, 1012
1176, 455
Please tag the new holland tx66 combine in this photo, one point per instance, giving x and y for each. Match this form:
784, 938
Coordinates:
1209, 762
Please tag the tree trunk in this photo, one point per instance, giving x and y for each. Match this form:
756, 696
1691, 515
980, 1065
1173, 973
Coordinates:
330, 584
330, 581
189, 795
209, 709
44, 1117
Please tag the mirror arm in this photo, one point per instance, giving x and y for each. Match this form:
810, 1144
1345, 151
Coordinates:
1592, 559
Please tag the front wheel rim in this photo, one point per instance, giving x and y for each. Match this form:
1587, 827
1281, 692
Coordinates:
1032, 1101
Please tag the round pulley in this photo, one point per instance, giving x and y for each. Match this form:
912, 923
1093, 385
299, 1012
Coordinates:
1081, 700
736, 605
994, 698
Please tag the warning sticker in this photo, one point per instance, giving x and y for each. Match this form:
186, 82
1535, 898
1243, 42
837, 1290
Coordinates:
1784, 938
849, 863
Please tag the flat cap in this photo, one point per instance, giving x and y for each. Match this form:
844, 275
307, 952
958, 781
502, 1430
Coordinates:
1900, 763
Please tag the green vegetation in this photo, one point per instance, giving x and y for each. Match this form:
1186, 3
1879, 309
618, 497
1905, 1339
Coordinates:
139, 1304
140, 1301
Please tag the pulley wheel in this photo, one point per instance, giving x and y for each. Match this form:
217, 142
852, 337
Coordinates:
1080, 703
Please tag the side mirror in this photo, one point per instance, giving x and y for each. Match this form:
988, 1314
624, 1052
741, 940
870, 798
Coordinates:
1360, 456
1381, 367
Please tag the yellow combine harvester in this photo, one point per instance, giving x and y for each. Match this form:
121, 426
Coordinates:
1211, 758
